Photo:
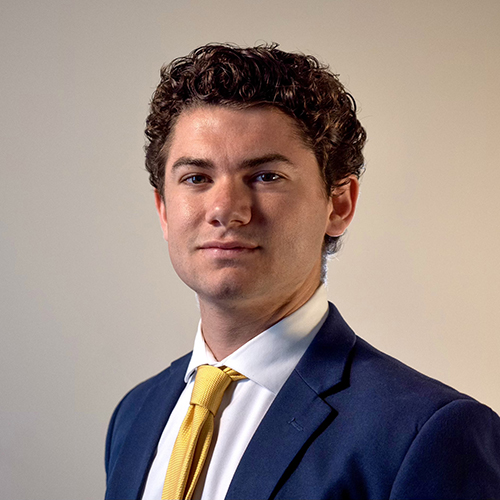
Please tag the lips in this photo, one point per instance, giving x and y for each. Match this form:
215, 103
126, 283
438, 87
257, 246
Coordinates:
228, 249
228, 245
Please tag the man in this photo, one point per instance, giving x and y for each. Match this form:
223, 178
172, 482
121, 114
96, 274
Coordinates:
255, 156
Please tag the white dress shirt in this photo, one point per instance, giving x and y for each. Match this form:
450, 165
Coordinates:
267, 361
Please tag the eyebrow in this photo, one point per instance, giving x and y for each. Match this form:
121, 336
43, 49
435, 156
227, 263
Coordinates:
250, 163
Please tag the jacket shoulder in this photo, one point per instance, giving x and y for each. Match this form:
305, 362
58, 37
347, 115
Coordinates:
393, 432
131, 404
396, 384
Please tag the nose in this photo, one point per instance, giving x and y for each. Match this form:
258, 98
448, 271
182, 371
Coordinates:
229, 204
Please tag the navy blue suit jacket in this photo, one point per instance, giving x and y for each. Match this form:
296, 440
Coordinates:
350, 423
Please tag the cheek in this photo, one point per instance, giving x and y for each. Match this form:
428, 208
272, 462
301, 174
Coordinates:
183, 229
181, 214
305, 230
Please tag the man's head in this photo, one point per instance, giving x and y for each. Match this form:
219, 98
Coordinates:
298, 85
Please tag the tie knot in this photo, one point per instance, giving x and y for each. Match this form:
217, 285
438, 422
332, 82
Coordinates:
210, 384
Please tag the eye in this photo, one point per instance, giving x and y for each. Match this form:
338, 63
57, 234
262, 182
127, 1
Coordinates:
267, 177
195, 179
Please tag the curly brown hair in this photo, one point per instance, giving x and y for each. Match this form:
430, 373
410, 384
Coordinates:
297, 84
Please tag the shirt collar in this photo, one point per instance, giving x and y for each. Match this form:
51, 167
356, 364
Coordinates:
269, 358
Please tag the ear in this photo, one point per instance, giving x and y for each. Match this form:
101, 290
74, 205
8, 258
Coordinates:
162, 214
344, 199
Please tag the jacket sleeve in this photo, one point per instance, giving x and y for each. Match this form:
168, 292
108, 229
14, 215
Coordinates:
109, 440
120, 422
455, 455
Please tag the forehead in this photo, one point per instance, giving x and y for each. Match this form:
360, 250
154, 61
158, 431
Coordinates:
234, 130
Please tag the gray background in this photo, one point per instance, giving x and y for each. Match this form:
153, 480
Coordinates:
89, 303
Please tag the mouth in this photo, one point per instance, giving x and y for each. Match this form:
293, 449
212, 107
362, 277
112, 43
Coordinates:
228, 248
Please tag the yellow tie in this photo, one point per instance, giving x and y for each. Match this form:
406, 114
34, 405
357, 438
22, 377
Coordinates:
193, 441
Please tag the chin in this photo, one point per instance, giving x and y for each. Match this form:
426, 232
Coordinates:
220, 284
223, 292
227, 290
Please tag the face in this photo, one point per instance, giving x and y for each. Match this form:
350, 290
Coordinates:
245, 210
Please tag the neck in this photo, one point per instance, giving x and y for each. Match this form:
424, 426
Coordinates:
228, 326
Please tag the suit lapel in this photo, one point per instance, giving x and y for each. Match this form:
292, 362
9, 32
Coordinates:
129, 474
291, 421
297, 414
